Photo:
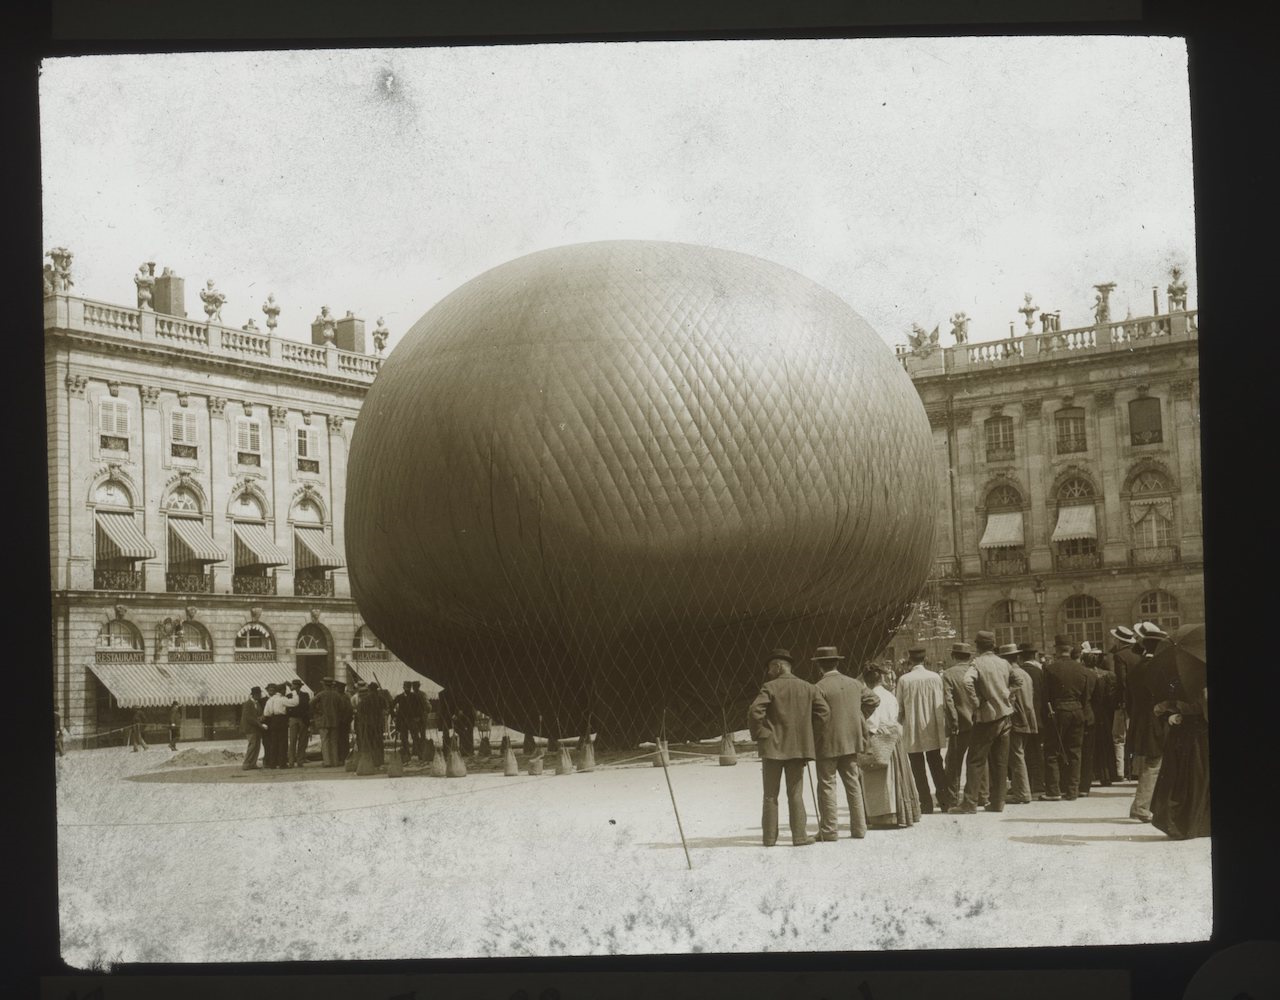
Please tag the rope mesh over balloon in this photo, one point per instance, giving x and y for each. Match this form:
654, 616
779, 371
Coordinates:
593, 488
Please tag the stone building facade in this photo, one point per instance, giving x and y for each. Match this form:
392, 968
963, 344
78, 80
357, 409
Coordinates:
196, 484
1069, 464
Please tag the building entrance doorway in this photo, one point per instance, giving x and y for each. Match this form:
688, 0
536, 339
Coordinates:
314, 656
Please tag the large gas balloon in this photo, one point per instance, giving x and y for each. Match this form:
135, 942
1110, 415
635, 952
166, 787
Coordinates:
596, 485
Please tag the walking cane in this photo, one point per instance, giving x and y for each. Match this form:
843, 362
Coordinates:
662, 758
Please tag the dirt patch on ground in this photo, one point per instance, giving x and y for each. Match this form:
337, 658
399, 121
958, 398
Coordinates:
192, 757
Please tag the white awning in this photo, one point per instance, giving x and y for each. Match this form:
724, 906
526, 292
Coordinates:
314, 550
1076, 521
192, 543
255, 547
1004, 531
119, 536
156, 685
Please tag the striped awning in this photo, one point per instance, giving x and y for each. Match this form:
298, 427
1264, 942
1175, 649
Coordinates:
391, 674
314, 550
1076, 521
255, 546
1004, 531
157, 685
191, 542
119, 536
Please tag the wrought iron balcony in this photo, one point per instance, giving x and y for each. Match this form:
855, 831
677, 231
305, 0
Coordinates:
118, 579
244, 583
1078, 560
1000, 454
312, 587
1154, 554
1005, 565
1070, 444
188, 583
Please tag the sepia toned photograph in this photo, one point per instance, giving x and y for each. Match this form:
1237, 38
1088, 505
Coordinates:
793, 443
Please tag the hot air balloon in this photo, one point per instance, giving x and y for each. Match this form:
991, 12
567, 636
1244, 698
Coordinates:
598, 483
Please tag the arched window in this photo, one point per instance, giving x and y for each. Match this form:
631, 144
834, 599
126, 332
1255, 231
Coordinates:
247, 507
254, 641
113, 493
183, 501
307, 512
190, 641
1081, 619
1160, 607
1076, 489
1003, 497
312, 639
1069, 430
1149, 481
1144, 421
367, 646
998, 431
1010, 621
119, 641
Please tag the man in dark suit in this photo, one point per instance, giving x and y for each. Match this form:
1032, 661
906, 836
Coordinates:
346, 713
251, 728
959, 701
782, 720
1067, 683
299, 729
839, 742
1033, 743
1148, 731
1125, 655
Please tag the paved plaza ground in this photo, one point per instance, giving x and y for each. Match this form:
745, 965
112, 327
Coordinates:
210, 864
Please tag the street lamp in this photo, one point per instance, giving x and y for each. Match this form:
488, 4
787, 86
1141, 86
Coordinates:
1039, 590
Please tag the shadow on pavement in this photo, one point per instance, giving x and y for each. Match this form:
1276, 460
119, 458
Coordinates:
1078, 819
1068, 840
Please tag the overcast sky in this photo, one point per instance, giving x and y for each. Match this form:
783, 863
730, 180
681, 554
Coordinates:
913, 177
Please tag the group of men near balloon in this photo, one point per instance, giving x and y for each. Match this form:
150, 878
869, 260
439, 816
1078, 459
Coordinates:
278, 724
1012, 726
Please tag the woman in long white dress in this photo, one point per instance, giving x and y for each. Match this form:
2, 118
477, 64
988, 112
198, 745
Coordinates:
888, 790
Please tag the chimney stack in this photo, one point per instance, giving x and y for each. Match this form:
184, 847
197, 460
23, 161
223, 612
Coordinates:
169, 295
349, 334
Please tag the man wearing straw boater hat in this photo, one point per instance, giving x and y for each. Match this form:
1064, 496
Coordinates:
1148, 734
1125, 655
838, 744
782, 720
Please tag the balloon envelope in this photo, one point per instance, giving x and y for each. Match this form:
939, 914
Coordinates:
598, 484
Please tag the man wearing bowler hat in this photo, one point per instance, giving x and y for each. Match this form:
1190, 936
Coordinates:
839, 742
924, 727
989, 741
1033, 742
1025, 725
1067, 684
782, 720
959, 702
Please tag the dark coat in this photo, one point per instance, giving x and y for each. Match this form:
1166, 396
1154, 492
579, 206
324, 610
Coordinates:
1066, 680
991, 683
326, 709
1091, 685
1038, 697
1144, 694
1022, 694
250, 717
959, 696
784, 716
850, 702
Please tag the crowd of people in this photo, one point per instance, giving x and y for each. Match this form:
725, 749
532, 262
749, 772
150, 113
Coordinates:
999, 725
278, 725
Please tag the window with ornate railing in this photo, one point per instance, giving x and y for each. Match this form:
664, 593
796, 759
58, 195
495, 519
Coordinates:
998, 432
1076, 497
248, 441
254, 641
1010, 621
1160, 607
190, 642
312, 583
1069, 431
1151, 519
1145, 425
1081, 619
183, 431
113, 425
119, 641
1005, 562
1077, 553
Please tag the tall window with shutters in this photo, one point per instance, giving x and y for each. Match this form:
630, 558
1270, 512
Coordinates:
1144, 421
998, 431
1069, 430
307, 450
113, 425
183, 429
248, 441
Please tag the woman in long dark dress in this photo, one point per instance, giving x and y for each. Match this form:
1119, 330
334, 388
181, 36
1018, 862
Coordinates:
1180, 802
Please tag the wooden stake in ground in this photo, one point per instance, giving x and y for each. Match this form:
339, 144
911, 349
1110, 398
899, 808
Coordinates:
674, 808
813, 793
